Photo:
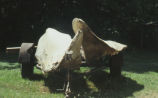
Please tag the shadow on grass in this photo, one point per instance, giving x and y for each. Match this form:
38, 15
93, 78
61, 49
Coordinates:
56, 81
113, 87
97, 85
8, 62
141, 62
36, 77
10, 58
141, 68
9, 67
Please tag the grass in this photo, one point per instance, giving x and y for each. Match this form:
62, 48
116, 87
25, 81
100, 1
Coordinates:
139, 80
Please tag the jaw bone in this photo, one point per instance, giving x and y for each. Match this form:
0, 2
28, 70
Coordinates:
93, 46
53, 47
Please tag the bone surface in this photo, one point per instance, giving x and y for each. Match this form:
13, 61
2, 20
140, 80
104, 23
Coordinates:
53, 47
93, 46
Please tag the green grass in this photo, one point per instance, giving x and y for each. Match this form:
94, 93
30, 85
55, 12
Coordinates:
139, 80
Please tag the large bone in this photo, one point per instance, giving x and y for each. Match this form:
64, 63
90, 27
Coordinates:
54, 46
95, 47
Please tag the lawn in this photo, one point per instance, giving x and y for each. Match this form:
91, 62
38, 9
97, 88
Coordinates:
139, 80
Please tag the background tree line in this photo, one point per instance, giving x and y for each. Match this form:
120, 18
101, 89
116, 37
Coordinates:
133, 22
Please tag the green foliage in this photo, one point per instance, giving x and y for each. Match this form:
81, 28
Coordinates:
133, 21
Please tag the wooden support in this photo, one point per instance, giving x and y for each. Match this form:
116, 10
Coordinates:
115, 64
68, 86
26, 58
14, 50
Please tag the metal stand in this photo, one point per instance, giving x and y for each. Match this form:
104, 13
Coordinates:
68, 90
68, 83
